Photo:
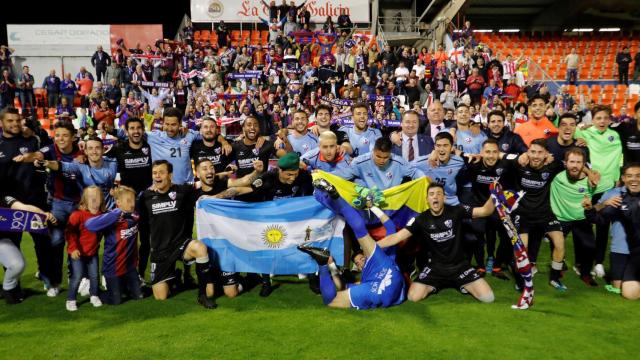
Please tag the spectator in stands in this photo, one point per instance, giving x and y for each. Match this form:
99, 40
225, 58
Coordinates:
51, 83
290, 25
475, 85
85, 87
100, 61
25, 88
623, 117
104, 114
5, 58
114, 72
623, 59
329, 27
344, 21
573, 61
636, 66
7, 89
223, 35
448, 98
68, 88
511, 92
84, 74
113, 94
388, 55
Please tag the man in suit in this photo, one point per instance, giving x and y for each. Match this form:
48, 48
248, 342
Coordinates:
408, 143
436, 122
100, 61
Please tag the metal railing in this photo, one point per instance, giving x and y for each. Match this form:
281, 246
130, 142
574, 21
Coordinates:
399, 24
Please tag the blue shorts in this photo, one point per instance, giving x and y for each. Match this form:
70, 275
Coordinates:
382, 283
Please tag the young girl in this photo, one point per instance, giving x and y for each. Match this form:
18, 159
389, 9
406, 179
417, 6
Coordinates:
82, 246
120, 258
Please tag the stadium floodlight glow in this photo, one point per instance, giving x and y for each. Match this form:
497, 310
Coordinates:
483, 31
609, 29
582, 30
509, 30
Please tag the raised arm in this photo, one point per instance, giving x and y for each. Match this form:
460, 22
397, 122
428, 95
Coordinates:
484, 211
394, 239
103, 221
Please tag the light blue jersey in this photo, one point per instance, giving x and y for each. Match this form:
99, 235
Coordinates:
362, 142
174, 150
103, 177
468, 142
618, 235
365, 172
303, 144
382, 284
444, 174
315, 161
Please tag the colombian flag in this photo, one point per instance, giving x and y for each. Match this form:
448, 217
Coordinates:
402, 202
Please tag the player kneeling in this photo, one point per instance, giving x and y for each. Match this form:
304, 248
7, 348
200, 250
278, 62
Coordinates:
438, 229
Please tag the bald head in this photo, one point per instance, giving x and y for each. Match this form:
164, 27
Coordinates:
435, 113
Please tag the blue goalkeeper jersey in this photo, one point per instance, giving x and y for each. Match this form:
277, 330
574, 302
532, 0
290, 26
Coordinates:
382, 284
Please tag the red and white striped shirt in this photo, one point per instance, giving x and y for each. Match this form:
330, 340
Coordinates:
509, 69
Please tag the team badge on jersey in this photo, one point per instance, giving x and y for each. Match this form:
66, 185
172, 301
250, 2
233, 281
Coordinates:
24, 150
389, 175
467, 140
545, 176
581, 190
218, 151
364, 141
610, 138
255, 151
305, 147
145, 150
172, 195
505, 147
257, 183
448, 223
499, 171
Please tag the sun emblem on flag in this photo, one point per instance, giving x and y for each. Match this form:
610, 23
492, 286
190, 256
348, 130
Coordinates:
274, 235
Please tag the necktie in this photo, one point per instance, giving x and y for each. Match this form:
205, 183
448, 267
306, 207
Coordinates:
411, 152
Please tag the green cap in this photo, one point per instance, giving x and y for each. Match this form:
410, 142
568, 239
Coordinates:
290, 161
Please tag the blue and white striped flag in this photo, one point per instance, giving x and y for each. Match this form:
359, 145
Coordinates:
262, 237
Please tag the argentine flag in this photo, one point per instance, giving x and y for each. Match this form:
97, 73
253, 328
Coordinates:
262, 237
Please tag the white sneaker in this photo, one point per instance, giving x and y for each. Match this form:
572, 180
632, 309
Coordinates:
103, 281
95, 301
599, 270
83, 289
71, 305
53, 292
